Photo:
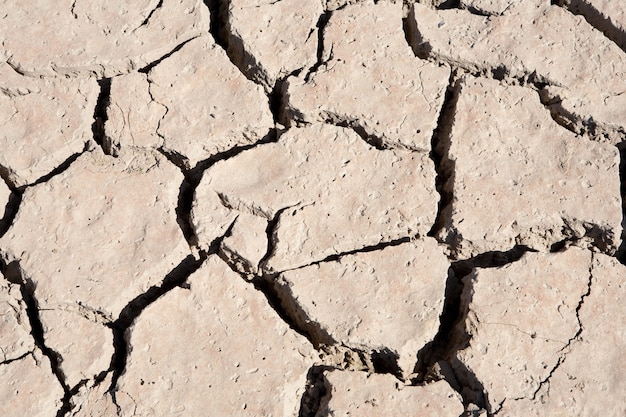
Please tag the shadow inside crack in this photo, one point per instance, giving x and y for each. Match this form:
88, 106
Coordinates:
621, 251
10, 211
316, 390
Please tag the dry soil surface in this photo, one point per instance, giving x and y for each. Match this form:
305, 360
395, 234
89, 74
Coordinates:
312, 208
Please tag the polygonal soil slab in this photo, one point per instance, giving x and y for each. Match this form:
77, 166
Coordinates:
191, 109
380, 301
396, 104
93, 238
243, 359
519, 178
133, 116
357, 393
82, 341
258, 29
93, 38
587, 93
42, 124
29, 388
325, 190
590, 379
521, 319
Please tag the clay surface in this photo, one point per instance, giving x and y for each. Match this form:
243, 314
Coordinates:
381, 395
309, 208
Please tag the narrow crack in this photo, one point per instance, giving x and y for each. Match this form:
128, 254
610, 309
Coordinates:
370, 248
147, 19
440, 146
353, 124
100, 115
59, 169
322, 22
147, 68
175, 278
19, 358
563, 357
595, 18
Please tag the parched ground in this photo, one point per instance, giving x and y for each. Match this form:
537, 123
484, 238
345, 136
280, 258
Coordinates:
312, 208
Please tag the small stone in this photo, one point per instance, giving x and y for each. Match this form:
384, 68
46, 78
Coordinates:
536, 44
29, 388
210, 108
590, 379
397, 104
258, 29
132, 115
84, 346
520, 318
15, 338
243, 356
541, 185
388, 299
329, 190
100, 233
42, 125
357, 393
97, 39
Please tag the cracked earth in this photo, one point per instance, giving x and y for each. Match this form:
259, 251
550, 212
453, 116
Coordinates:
312, 208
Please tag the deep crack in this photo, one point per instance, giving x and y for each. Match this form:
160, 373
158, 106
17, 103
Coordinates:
440, 146
316, 388
100, 115
14, 274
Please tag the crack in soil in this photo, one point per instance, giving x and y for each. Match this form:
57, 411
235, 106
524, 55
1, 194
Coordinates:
100, 115
14, 274
440, 147
441, 351
121, 327
147, 68
322, 22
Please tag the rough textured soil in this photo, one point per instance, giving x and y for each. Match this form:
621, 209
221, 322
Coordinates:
312, 208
